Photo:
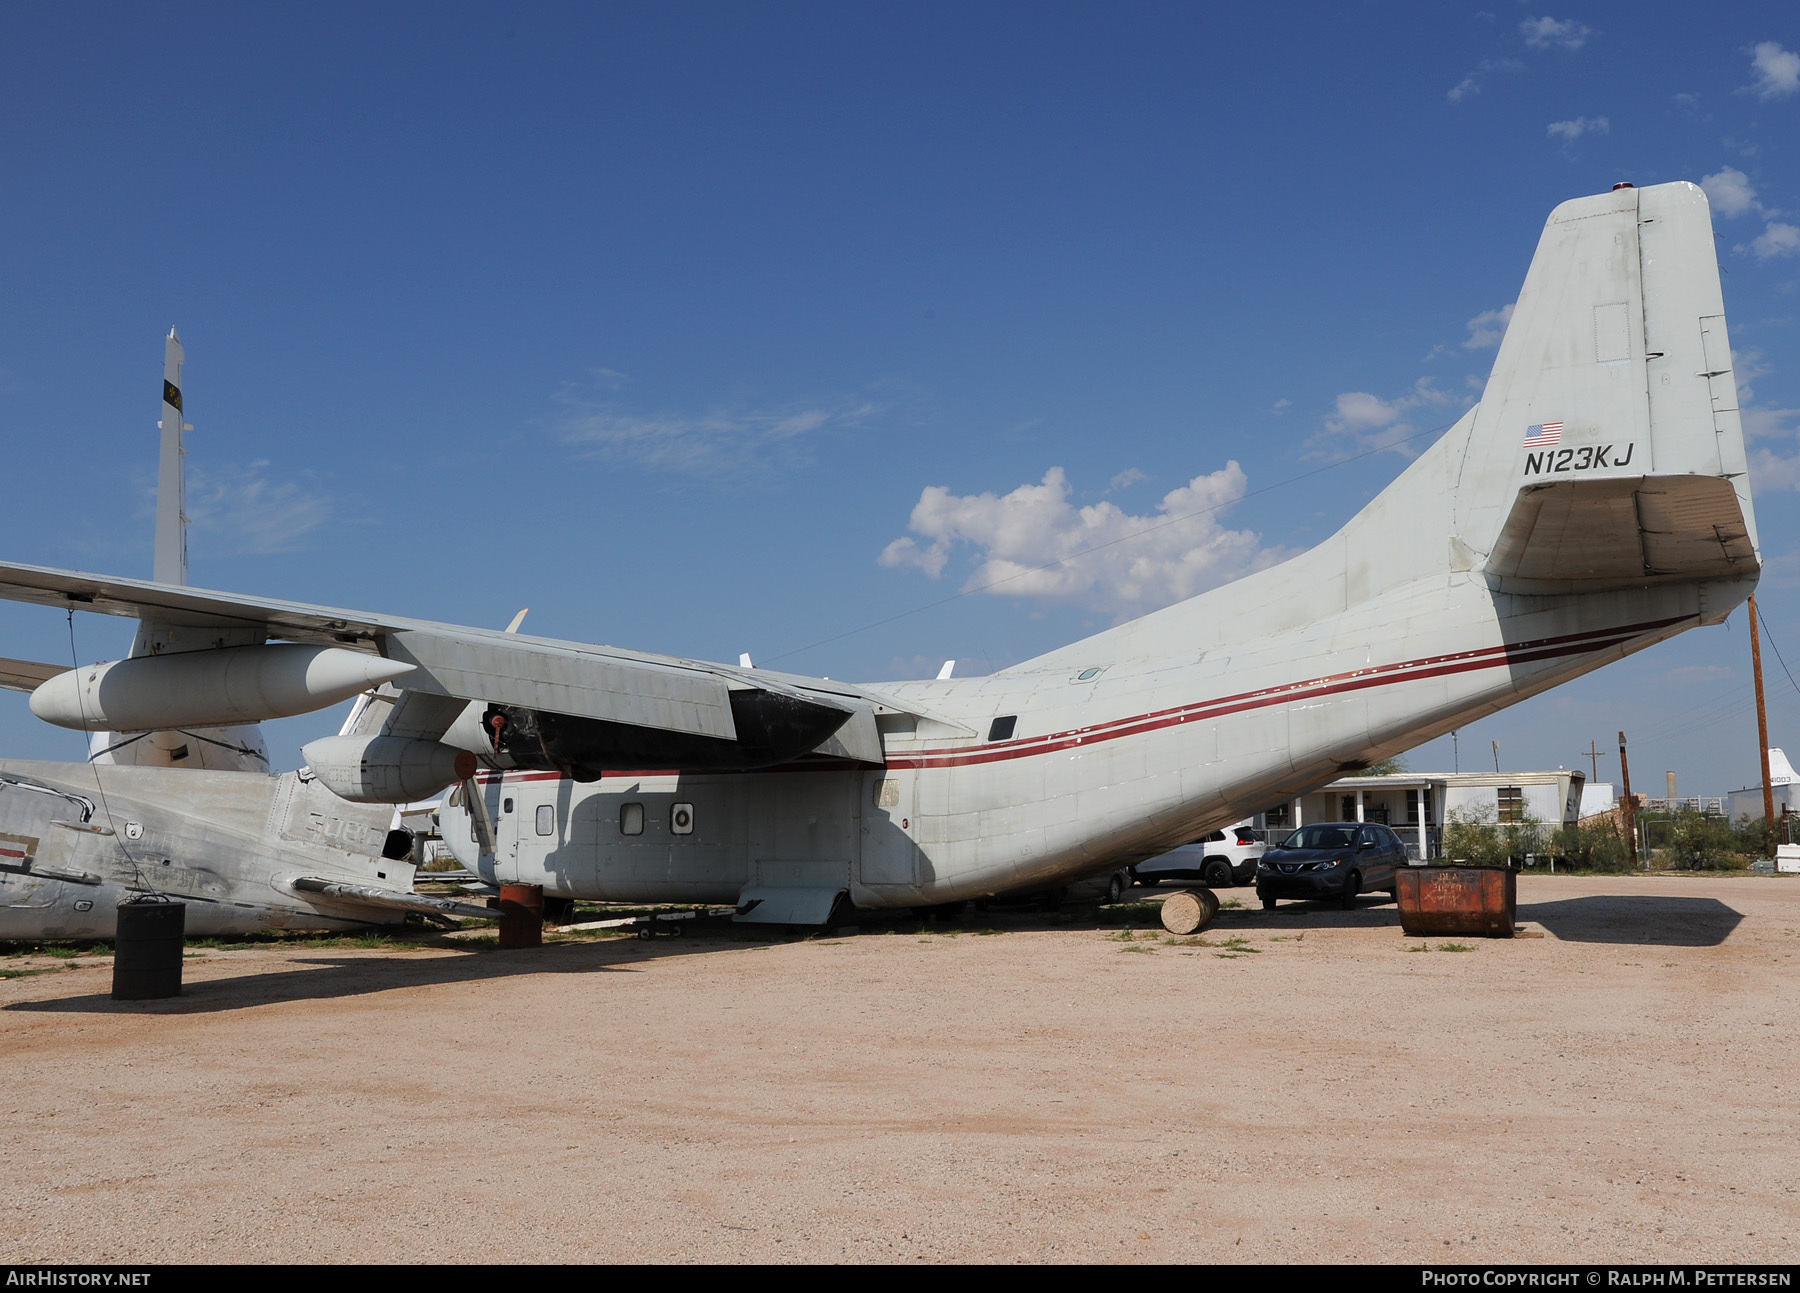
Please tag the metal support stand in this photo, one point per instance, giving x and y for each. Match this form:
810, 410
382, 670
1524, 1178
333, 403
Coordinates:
521, 915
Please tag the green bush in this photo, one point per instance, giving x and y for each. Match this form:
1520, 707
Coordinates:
1690, 841
1593, 846
1754, 838
1472, 835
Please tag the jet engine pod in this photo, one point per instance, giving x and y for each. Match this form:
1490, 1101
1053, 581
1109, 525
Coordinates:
218, 688
386, 769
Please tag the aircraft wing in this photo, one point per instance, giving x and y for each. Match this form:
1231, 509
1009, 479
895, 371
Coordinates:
604, 683
27, 675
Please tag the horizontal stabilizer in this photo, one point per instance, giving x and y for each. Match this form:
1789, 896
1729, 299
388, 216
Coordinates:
367, 896
1591, 535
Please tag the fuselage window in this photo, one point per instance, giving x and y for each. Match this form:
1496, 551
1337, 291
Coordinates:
631, 819
681, 819
546, 819
506, 805
1002, 728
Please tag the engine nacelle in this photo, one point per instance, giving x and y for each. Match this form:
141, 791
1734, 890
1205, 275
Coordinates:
219, 688
386, 769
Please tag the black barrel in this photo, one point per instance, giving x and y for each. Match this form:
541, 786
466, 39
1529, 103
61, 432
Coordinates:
147, 952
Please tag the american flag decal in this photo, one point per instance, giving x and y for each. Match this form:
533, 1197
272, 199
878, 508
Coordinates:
1542, 437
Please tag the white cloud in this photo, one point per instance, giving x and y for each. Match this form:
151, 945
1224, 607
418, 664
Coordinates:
1551, 33
1765, 424
1127, 478
723, 442
239, 510
1488, 328
1769, 470
1471, 84
1359, 411
1035, 543
1777, 71
1360, 421
1778, 239
1730, 192
1570, 131
1746, 367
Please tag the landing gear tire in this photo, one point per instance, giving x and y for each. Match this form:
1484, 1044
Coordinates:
1116, 887
646, 933
1216, 873
1352, 883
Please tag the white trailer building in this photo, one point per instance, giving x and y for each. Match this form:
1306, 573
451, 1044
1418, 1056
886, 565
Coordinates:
1415, 804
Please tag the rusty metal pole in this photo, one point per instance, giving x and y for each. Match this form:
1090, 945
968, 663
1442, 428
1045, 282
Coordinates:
1625, 804
521, 915
1762, 722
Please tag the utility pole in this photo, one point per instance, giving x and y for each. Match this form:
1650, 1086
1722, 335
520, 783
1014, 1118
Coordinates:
1455, 752
1496, 758
1594, 759
1762, 721
1629, 809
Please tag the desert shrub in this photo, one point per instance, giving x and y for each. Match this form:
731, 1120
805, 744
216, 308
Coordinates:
1753, 838
1593, 846
1698, 842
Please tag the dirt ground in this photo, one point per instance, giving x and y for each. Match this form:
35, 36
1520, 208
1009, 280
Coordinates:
1302, 1085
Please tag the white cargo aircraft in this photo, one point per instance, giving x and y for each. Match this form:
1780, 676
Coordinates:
1594, 503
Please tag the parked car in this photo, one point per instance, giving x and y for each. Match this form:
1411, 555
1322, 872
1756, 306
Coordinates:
1331, 860
1218, 861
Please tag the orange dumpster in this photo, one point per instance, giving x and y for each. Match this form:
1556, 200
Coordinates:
1480, 900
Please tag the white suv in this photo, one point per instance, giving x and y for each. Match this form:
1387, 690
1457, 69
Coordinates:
1218, 861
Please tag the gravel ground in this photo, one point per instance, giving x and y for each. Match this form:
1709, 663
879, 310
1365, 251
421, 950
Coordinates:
1302, 1085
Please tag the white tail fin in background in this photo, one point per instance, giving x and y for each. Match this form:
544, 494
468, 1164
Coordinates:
171, 477
229, 749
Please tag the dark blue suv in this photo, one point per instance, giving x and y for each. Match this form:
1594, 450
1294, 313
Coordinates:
1331, 860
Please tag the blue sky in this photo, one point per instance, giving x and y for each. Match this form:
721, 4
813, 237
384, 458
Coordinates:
721, 328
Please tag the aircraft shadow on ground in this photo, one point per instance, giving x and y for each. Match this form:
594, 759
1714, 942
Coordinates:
323, 976
1651, 920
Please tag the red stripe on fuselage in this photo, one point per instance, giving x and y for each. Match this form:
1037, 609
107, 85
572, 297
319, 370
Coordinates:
1437, 666
1332, 684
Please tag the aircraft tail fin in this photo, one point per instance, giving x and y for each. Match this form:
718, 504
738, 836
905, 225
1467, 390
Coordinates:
230, 749
1607, 449
171, 489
